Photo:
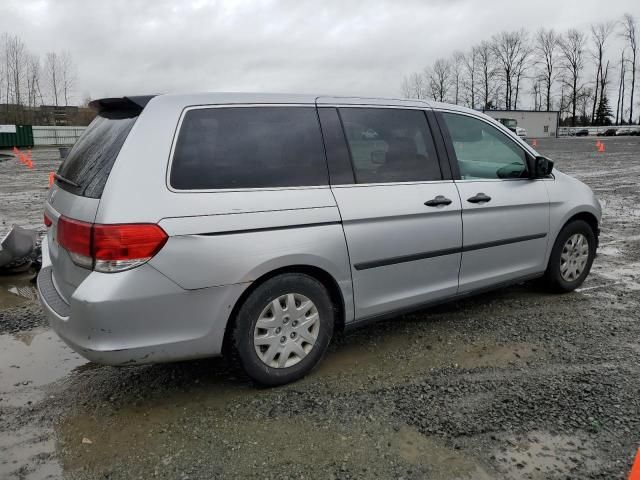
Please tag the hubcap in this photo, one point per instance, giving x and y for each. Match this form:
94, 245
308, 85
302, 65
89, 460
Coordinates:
286, 330
573, 259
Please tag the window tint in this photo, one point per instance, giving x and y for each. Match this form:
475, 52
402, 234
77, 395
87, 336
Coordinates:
390, 145
483, 151
249, 147
89, 162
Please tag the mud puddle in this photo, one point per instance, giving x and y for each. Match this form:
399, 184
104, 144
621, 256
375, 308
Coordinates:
392, 357
28, 454
17, 290
244, 445
542, 455
29, 361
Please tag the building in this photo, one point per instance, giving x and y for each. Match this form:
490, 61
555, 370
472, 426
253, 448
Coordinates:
45, 115
538, 124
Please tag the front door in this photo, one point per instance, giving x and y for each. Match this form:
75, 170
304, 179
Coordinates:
505, 214
401, 218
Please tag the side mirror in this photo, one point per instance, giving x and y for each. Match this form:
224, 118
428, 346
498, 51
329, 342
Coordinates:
542, 167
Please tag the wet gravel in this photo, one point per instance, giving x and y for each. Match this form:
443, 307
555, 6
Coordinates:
517, 383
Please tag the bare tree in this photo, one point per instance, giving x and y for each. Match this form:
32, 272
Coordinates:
52, 72
620, 103
457, 64
3, 74
485, 64
629, 33
67, 76
470, 60
414, 86
34, 94
572, 48
546, 46
510, 51
522, 64
439, 79
584, 98
600, 32
16, 60
536, 93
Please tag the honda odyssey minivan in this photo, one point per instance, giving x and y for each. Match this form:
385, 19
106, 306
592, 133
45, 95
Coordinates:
258, 226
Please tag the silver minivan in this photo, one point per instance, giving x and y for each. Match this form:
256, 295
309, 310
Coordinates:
255, 225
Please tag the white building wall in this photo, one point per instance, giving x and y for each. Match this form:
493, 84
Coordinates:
537, 124
46, 135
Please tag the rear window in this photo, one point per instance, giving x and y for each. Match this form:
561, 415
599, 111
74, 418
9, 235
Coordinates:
249, 147
86, 169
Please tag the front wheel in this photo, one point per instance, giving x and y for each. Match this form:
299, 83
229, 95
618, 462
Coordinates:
283, 329
571, 257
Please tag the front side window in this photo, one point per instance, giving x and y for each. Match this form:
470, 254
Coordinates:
249, 147
483, 151
390, 145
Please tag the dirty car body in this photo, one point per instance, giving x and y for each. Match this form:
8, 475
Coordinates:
356, 209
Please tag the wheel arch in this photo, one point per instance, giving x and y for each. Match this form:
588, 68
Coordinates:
579, 214
320, 274
587, 217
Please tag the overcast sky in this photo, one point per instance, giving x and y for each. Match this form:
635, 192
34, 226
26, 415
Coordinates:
323, 46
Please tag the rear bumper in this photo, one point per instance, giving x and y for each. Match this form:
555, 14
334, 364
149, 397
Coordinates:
138, 316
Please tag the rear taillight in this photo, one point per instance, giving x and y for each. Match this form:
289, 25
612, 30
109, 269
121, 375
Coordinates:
47, 221
75, 237
110, 248
119, 247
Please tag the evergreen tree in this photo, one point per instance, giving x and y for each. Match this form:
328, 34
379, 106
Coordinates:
603, 113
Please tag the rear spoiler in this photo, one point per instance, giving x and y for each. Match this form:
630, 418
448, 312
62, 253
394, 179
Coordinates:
136, 103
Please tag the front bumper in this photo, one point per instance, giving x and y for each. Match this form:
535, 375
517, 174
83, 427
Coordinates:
138, 316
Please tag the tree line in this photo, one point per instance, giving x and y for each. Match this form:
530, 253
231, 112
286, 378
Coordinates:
572, 72
28, 81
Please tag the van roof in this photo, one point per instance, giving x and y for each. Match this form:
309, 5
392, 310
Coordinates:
223, 98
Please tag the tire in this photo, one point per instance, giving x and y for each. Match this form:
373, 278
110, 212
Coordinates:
287, 332
554, 278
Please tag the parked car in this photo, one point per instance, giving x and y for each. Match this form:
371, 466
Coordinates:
583, 132
623, 131
512, 125
257, 226
521, 132
610, 132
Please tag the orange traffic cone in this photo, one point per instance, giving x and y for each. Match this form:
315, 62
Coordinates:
51, 178
634, 474
601, 147
534, 143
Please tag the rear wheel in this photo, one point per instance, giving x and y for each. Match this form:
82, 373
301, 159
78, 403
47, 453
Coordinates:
283, 328
571, 257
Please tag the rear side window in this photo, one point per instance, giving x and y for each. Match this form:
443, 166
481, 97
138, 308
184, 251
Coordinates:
390, 145
249, 147
88, 164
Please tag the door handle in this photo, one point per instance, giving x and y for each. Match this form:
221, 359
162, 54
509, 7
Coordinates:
436, 202
479, 198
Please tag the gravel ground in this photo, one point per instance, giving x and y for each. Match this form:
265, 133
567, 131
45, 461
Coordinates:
517, 383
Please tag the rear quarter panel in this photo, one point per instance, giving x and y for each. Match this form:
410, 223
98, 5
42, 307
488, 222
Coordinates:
220, 237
